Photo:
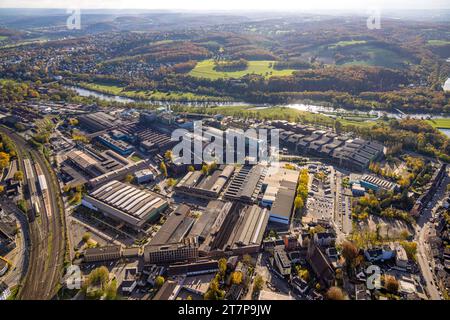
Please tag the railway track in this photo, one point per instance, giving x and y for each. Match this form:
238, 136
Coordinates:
47, 228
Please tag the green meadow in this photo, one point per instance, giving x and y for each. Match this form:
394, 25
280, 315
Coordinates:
143, 94
442, 123
205, 69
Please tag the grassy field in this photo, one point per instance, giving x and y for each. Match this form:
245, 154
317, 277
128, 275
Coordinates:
440, 123
144, 95
3, 38
204, 69
378, 57
347, 43
438, 42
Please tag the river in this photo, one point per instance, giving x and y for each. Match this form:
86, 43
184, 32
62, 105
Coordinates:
298, 106
91, 93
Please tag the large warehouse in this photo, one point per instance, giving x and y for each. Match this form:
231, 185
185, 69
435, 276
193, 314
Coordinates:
125, 203
197, 184
226, 227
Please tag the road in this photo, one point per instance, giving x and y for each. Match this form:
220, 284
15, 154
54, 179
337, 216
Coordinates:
47, 231
342, 213
424, 259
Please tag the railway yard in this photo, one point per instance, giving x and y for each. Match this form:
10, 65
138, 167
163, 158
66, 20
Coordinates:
46, 223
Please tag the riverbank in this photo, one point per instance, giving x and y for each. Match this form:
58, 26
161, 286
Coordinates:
148, 95
354, 115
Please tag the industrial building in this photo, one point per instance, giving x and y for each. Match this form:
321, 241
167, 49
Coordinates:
98, 121
246, 183
143, 176
357, 154
209, 186
234, 228
125, 203
148, 137
85, 163
175, 228
119, 146
224, 227
190, 269
102, 253
354, 154
370, 182
186, 251
210, 221
283, 204
118, 174
272, 183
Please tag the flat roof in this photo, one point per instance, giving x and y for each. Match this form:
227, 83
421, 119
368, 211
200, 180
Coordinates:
283, 204
103, 250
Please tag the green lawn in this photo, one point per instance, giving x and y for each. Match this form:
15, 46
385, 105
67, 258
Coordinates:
3, 38
440, 123
204, 69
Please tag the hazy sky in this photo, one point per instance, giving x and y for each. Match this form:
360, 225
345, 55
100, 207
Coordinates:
283, 5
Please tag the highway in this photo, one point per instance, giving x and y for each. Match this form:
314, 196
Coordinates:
47, 230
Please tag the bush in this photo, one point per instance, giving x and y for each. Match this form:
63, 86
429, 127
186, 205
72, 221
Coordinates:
159, 281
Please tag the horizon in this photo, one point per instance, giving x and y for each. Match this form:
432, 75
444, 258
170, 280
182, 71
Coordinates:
231, 5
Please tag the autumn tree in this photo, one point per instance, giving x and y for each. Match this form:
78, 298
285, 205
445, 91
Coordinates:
73, 121
258, 283
214, 292
222, 263
159, 281
298, 203
168, 155
335, 293
163, 168
171, 182
349, 252
247, 259
303, 274
236, 277
86, 237
18, 176
391, 284
4, 160
129, 178
212, 167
